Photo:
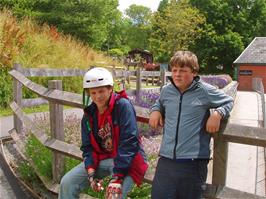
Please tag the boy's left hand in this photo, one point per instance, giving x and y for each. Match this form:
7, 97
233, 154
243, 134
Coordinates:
213, 122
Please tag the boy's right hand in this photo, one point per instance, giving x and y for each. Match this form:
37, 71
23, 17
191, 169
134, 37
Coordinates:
95, 184
156, 119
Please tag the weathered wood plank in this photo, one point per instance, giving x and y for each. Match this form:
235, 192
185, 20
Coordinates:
51, 72
150, 73
64, 148
138, 81
17, 95
123, 73
38, 133
33, 102
57, 130
56, 96
220, 156
243, 134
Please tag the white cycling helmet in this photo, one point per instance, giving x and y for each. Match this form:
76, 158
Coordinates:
97, 77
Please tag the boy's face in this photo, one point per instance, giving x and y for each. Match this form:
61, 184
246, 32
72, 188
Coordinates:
100, 96
182, 77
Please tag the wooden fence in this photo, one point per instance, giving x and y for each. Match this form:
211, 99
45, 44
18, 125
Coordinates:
257, 86
56, 97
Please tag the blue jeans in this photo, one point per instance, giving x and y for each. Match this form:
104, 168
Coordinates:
179, 180
76, 180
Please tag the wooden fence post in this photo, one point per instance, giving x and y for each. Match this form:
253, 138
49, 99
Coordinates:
220, 156
57, 130
138, 81
163, 78
17, 94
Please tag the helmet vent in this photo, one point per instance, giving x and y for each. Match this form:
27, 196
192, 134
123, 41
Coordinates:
100, 79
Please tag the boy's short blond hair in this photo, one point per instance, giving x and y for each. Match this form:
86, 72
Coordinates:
184, 58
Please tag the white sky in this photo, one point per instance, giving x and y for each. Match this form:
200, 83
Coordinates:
152, 4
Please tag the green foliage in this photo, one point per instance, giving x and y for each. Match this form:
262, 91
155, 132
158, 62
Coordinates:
6, 87
142, 192
42, 108
116, 52
162, 5
137, 27
70, 163
172, 31
40, 155
26, 172
230, 26
88, 20
139, 15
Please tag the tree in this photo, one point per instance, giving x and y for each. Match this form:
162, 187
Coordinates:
139, 15
172, 31
162, 5
137, 26
230, 26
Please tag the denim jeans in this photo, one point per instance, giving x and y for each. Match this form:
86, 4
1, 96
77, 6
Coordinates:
76, 180
179, 180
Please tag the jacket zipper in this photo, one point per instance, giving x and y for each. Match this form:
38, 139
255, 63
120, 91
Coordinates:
177, 125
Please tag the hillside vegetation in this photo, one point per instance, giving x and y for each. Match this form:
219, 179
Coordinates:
33, 46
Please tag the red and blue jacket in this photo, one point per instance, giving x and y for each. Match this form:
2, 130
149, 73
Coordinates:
125, 146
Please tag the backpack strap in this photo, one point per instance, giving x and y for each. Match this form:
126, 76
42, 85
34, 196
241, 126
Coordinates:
115, 114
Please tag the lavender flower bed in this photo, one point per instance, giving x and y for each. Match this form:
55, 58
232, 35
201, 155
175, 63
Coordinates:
146, 98
220, 81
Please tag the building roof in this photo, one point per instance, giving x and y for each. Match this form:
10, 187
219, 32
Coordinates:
254, 54
140, 51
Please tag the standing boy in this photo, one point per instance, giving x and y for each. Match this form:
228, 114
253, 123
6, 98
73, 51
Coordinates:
110, 142
183, 109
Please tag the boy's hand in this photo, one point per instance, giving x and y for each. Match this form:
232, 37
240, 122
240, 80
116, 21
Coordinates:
155, 119
97, 185
114, 189
213, 122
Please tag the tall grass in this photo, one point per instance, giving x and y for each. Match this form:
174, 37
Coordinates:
43, 46
35, 46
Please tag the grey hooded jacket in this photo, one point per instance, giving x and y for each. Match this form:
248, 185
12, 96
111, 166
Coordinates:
185, 114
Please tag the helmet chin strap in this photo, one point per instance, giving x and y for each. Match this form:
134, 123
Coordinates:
86, 100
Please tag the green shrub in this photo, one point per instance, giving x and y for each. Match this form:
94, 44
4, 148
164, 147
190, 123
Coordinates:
40, 155
116, 52
6, 87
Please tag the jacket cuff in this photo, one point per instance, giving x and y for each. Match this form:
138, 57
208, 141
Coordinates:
221, 112
118, 175
90, 167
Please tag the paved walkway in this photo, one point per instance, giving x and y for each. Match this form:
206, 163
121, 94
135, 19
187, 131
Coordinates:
246, 165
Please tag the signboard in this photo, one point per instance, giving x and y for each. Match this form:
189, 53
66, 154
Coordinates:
245, 72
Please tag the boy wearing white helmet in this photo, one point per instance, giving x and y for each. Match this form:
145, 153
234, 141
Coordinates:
110, 142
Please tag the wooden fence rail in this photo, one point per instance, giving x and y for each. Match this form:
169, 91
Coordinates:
56, 97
